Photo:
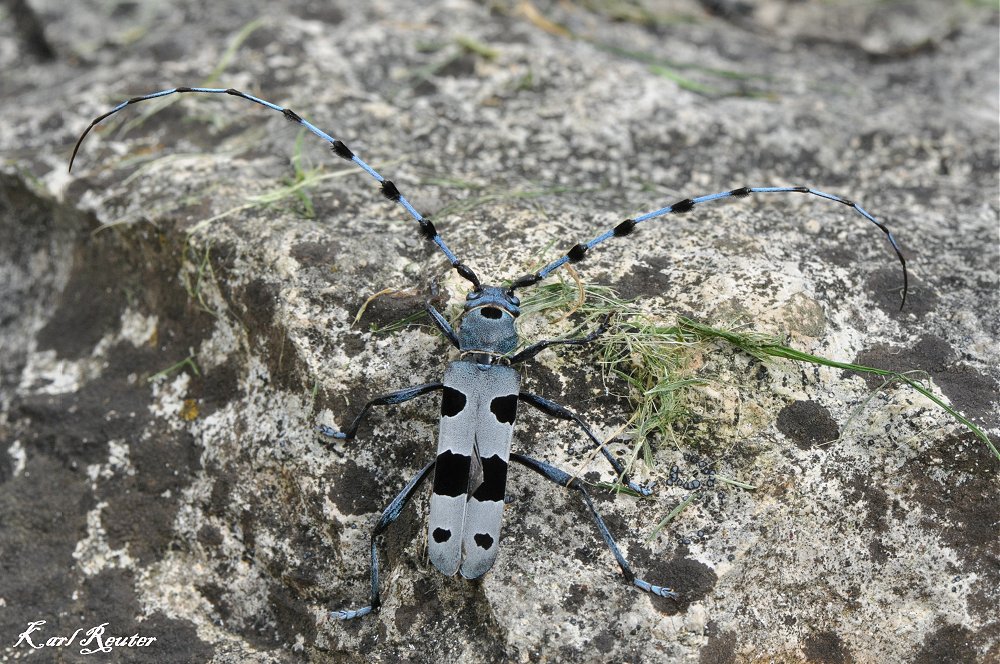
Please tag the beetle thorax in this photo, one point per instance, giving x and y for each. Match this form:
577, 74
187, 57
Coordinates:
486, 330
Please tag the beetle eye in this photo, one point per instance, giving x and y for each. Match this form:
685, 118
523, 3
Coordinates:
492, 313
515, 300
472, 296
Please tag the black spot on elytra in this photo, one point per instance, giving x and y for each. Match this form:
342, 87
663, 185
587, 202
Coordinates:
494, 480
484, 541
452, 403
451, 476
441, 535
505, 408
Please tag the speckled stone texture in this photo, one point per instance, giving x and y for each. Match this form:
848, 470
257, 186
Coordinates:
169, 342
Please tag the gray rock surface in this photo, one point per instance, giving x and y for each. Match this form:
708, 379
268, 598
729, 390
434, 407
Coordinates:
167, 344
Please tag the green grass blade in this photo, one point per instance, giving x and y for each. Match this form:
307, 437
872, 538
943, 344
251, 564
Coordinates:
671, 516
758, 346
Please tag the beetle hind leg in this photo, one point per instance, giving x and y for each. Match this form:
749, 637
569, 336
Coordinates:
565, 479
390, 514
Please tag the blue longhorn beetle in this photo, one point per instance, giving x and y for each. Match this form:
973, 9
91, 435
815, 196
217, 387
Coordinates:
481, 390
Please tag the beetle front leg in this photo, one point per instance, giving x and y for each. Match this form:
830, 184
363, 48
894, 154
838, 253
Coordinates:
536, 348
